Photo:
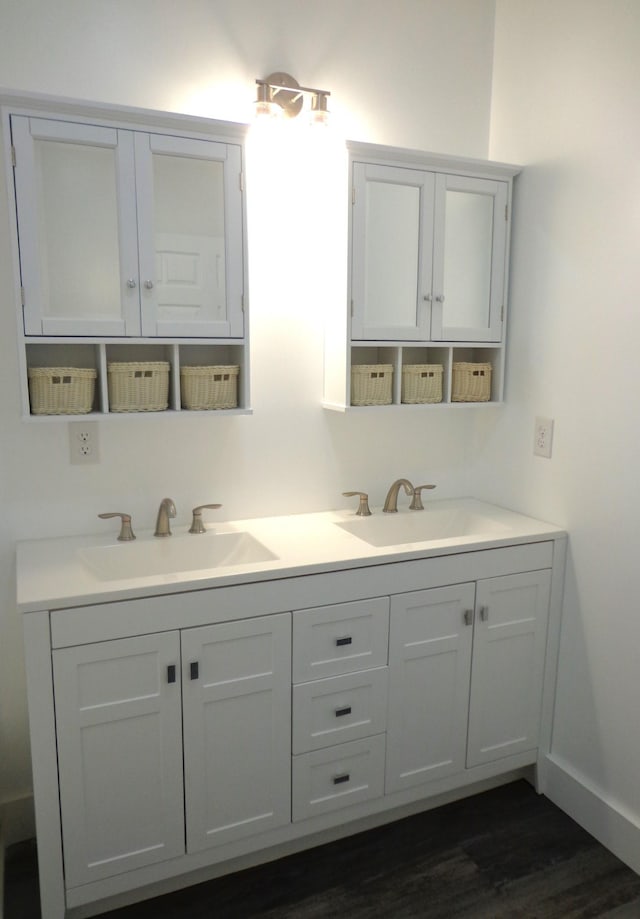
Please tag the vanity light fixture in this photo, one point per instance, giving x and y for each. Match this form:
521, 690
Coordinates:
281, 94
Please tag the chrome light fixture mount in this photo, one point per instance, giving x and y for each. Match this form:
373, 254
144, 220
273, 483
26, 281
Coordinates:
281, 89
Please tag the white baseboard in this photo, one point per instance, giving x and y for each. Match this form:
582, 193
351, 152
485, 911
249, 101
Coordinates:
607, 820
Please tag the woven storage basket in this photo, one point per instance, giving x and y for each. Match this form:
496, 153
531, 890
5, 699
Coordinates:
61, 390
138, 386
471, 382
422, 383
371, 384
212, 387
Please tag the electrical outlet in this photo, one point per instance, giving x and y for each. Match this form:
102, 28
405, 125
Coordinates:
84, 444
543, 437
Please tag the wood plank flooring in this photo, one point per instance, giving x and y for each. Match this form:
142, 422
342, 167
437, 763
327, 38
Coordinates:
505, 854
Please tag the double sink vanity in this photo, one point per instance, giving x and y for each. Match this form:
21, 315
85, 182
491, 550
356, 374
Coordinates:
211, 700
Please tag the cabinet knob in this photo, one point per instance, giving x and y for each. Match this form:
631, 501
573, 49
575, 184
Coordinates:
148, 285
468, 617
131, 283
484, 613
440, 298
428, 298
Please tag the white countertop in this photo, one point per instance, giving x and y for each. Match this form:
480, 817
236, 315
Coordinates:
52, 575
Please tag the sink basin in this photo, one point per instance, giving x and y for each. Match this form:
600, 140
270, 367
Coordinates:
421, 526
149, 557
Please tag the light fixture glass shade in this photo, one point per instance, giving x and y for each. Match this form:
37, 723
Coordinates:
319, 112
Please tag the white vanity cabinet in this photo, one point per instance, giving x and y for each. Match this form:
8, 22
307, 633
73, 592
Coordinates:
178, 736
428, 270
130, 247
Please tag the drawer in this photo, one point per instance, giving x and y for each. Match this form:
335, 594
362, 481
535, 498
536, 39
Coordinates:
327, 780
330, 640
339, 709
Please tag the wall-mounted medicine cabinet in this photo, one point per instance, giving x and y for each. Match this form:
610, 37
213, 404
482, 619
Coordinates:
428, 277
130, 247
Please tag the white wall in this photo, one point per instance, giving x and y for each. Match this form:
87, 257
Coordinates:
408, 74
565, 105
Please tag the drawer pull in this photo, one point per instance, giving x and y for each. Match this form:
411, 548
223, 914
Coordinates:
484, 613
343, 711
344, 641
341, 779
171, 673
194, 670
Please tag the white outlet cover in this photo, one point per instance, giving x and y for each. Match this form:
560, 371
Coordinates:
84, 443
543, 437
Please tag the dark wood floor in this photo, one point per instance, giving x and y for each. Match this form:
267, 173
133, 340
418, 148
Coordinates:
504, 854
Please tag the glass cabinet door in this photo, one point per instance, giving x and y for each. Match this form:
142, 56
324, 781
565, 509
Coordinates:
391, 265
469, 255
189, 218
75, 194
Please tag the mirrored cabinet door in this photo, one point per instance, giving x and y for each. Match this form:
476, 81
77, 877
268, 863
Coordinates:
392, 243
75, 195
189, 217
469, 257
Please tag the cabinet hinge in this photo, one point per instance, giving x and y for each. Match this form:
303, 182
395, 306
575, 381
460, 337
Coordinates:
353, 194
502, 313
242, 302
22, 297
351, 307
13, 155
241, 181
506, 212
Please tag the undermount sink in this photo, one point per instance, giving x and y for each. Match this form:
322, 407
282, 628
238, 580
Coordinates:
152, 556
421, 526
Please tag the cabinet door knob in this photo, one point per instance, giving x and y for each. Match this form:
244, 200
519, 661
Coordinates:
468, 617
484, 613
440, 298
131, 283
148, 285
171, 673
194, 670
428, 298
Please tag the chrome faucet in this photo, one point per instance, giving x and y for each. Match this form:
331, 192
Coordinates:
166, 510
391, 502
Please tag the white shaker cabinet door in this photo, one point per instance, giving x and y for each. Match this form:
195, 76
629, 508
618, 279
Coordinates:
189, 202
508, 665
120, 755
237, 729
429, 666
75, 198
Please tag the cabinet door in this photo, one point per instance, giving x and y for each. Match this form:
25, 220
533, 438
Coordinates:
429, 668
469, 259
75, 197
190, 230
391, 259
119, 755
508, 665
237, 729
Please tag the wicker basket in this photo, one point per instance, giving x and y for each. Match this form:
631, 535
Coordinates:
138, 386
212, 387
471, 382
422, 383
371, 384
61, 390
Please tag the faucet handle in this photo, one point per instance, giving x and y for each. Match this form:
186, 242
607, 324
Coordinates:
197, 526
363, 506
126, 533
416, 501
